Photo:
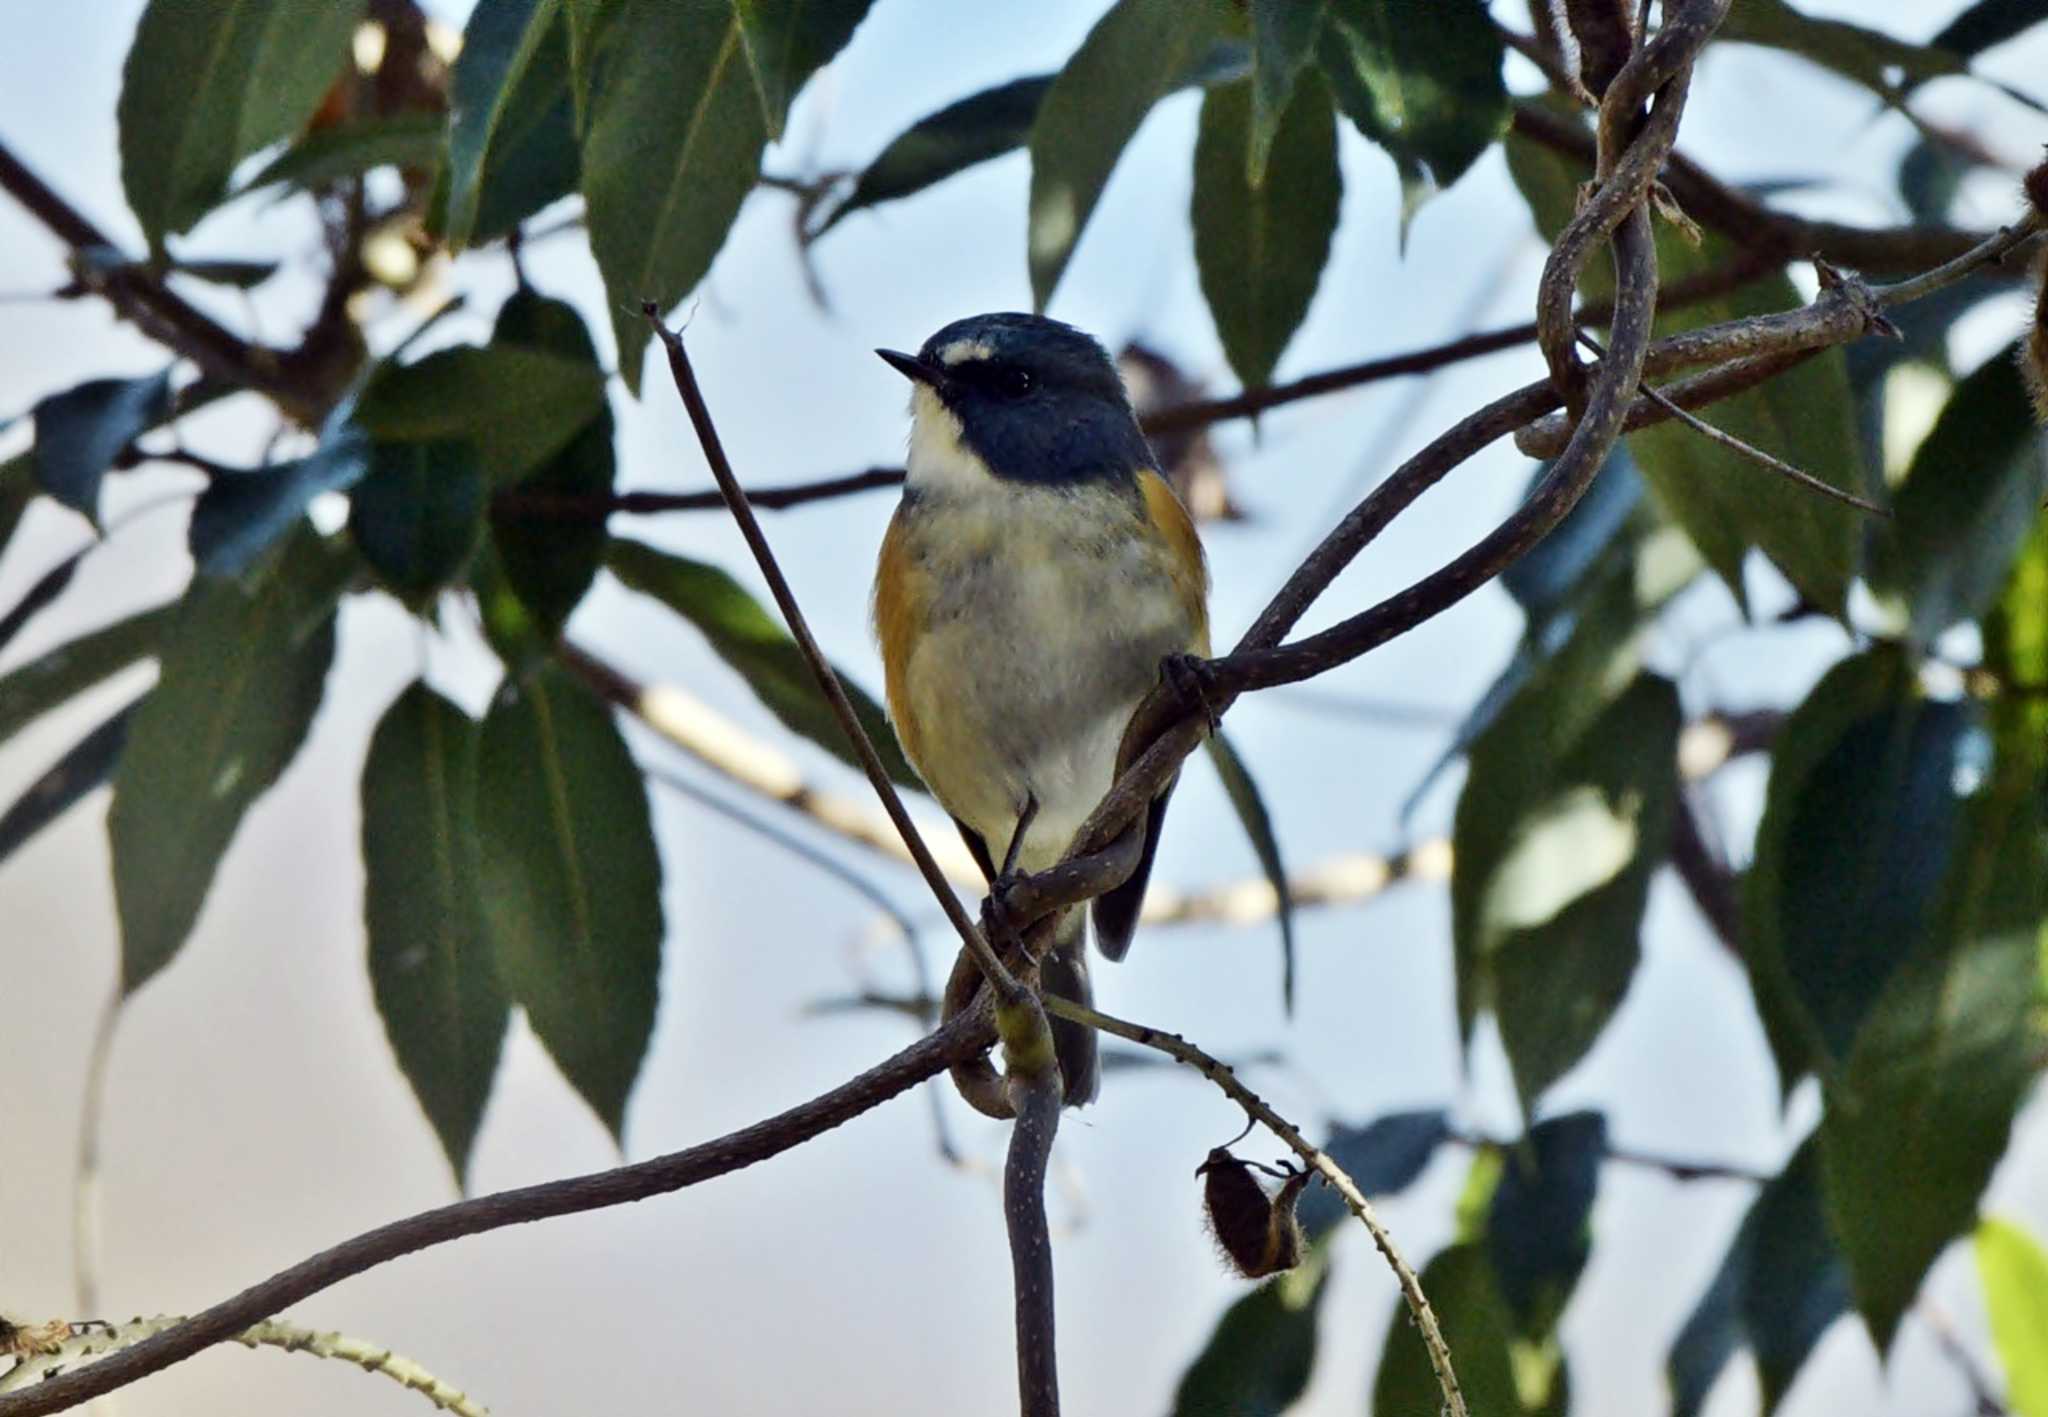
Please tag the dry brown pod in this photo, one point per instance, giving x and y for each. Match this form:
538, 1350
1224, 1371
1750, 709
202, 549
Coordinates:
1256, 1230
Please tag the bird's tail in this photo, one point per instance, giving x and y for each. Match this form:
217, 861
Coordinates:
1064, 972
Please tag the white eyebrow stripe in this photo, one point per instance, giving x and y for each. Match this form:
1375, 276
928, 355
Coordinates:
962, 350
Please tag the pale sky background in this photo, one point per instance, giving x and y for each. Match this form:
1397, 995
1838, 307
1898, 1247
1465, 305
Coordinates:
253, 1110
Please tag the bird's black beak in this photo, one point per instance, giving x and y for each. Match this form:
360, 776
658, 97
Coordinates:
911, 367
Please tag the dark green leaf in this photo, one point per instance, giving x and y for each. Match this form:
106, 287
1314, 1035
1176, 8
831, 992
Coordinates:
1968, 501
519, 406
208, 84
1559, 563
1261, 250
419, 513
17, 490
1475, 1325
2015, 1274
520, 642
1869, 57
242, 671
973, 130
571, 882
1258, 1359
1930, 175
239, 517
2016, 650
1539, 1233
499, 47
48, 586
1920, 1111
789, 40
30, 690
1135, 56
673, 146
1978, 28
1250, 806
87, 764
242, 275
550, 564
81, 431
1283, 39
747, 638
328, 155
1383, 1157
430, 955
1779, 1288
1725, 502
1429, 92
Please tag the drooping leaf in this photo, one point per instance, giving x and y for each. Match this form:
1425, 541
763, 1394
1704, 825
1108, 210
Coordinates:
789, 40
17, 490
1919, 1112
1725, 502
550, 564
1988, 23
1383, 1157
1538, 1231
746, 637
83, 767
960, 135
2014, 1271
1250, 806
1261, 249
1284, 34
239, 517
58, 675
1969, 499
1134, 56
1258, 1358
499, 47
672, 147
431, 966
1429, 92
418, 515
519, 406
571, 882
243, 666
81, 431
1780, 1286
519, 641
1865, 56
206, 85
38, 597
328, 155
1476, 1328
1541, 580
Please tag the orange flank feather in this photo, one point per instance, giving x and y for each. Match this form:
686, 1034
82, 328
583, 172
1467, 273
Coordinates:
899, 589
1190, 567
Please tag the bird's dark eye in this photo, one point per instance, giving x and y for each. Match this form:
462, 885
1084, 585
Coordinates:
1012, 382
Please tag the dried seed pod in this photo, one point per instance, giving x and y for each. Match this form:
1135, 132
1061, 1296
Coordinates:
2034, 350
1257, 1232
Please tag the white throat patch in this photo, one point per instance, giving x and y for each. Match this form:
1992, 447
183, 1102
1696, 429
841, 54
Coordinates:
938, 460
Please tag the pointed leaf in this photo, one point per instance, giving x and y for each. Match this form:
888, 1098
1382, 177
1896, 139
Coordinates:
1476, 1328
1261, 250
431, 966
240, 516
1258, 1359
532, 159
2014, 1270
83, 767
1538, 1232
520, 406
1133, 57
788, 41
1250, 806
1558, 563
1383, 1157
81, 431
673, 146
1284, 34
17, 490
58, 675
746, 637
328, 155
39, 596
206, 85
1920, 1111
973, 130
1984, 24
571, 882
499, 46
242, 672
419, 514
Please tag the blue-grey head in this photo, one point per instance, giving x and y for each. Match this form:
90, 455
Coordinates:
1021, 398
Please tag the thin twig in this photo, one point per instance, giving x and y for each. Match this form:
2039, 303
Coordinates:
1676, 1168
85, 1185
1225, 1077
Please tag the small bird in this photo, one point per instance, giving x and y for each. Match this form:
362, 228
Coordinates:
1035, 578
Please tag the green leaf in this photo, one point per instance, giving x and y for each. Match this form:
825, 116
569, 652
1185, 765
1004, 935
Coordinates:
58, 675
1968, 502
2016, 650
240, 516
1855, 52
1538, 1230
242, 672
519, 641
1920, 1111
1133, 57
1429, 92
328, 155
1261, 249
499, 47
1383, 1157
747, 638
2015, 1274
550, 564
47, 587
1476, 1327
1781, 1286
208, 84
81, 431
1283, 40
1988, 23
571, 882
83, 767
1258, 1359
431, 967
1726, 503
519, 406
1250, 806
960, 135
672, 148
17, 490
789, 40
418, 515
